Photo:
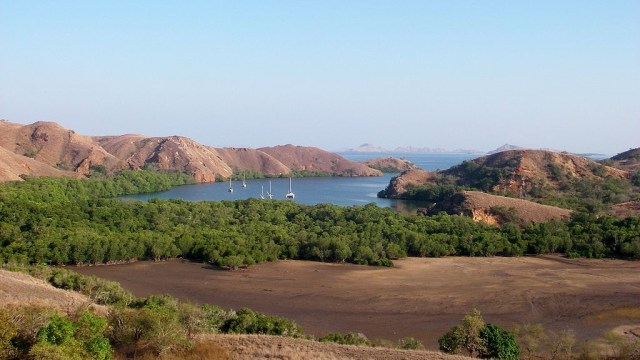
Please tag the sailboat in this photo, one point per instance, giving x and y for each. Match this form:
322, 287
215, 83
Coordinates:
270, 194
290, 194
244, 183
262, 192
230, 187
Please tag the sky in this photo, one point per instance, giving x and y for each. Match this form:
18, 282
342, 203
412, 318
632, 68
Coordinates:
334, 74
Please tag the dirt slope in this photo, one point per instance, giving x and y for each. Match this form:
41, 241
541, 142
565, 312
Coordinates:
13, 165
478, 205
56, 146
300, 158
22, 289
626, 209
254, 160
251, 347
390, 164
167, 153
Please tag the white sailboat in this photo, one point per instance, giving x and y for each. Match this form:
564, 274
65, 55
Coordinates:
244, 183
230, 187
262, 192
290, 194
270, 194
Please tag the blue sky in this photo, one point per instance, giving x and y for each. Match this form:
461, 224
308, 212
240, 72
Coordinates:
332, 74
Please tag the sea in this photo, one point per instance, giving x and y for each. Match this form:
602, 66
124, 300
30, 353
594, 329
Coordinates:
343, 191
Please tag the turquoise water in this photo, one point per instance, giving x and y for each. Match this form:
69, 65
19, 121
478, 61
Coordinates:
344, 191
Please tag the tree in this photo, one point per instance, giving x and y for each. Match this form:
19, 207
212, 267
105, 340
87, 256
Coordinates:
465, 336
479, 339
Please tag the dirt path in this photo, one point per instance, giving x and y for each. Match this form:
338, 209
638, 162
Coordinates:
420, 297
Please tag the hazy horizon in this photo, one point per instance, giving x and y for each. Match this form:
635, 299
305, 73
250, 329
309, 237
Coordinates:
563, 75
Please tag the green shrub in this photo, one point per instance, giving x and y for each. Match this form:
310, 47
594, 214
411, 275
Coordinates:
410, 343
247, 321
500, 344
346, 339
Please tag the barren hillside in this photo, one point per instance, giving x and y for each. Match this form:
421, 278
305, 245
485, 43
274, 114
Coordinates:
254, 160
46, 148
13, 165
56, 146
167, 153
514, 171
495, 210
299, 158
520, 170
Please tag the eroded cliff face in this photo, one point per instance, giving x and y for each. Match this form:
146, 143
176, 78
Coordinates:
46, 148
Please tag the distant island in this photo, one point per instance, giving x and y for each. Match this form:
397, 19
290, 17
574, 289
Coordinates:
370, 148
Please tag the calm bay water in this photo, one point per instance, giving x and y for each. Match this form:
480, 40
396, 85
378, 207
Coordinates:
344, 191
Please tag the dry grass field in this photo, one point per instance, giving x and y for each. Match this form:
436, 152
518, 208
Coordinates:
419, 297
21, 289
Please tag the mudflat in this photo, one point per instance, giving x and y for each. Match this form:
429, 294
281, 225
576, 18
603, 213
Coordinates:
419, 297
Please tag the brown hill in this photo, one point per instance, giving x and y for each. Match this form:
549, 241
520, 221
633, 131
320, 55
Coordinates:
496, 210
46, 148
408, 179
311, 159
254, 160
390, 164
12, 166
175, 153
519, 171
628, 160
51, 144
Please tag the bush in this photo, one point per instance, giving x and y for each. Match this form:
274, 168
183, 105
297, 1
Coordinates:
410, 343
247, 321
478, 338
347, 339
500, 343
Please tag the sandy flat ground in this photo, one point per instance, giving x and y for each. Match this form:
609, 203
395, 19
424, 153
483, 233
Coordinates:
420, 297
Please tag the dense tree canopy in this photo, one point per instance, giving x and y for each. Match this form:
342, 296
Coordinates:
66, 221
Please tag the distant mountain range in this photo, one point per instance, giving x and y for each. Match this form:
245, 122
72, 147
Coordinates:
370, 148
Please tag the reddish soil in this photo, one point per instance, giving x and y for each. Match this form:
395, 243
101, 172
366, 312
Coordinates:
420, 297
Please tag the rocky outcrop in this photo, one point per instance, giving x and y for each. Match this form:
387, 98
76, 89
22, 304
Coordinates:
390, 164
